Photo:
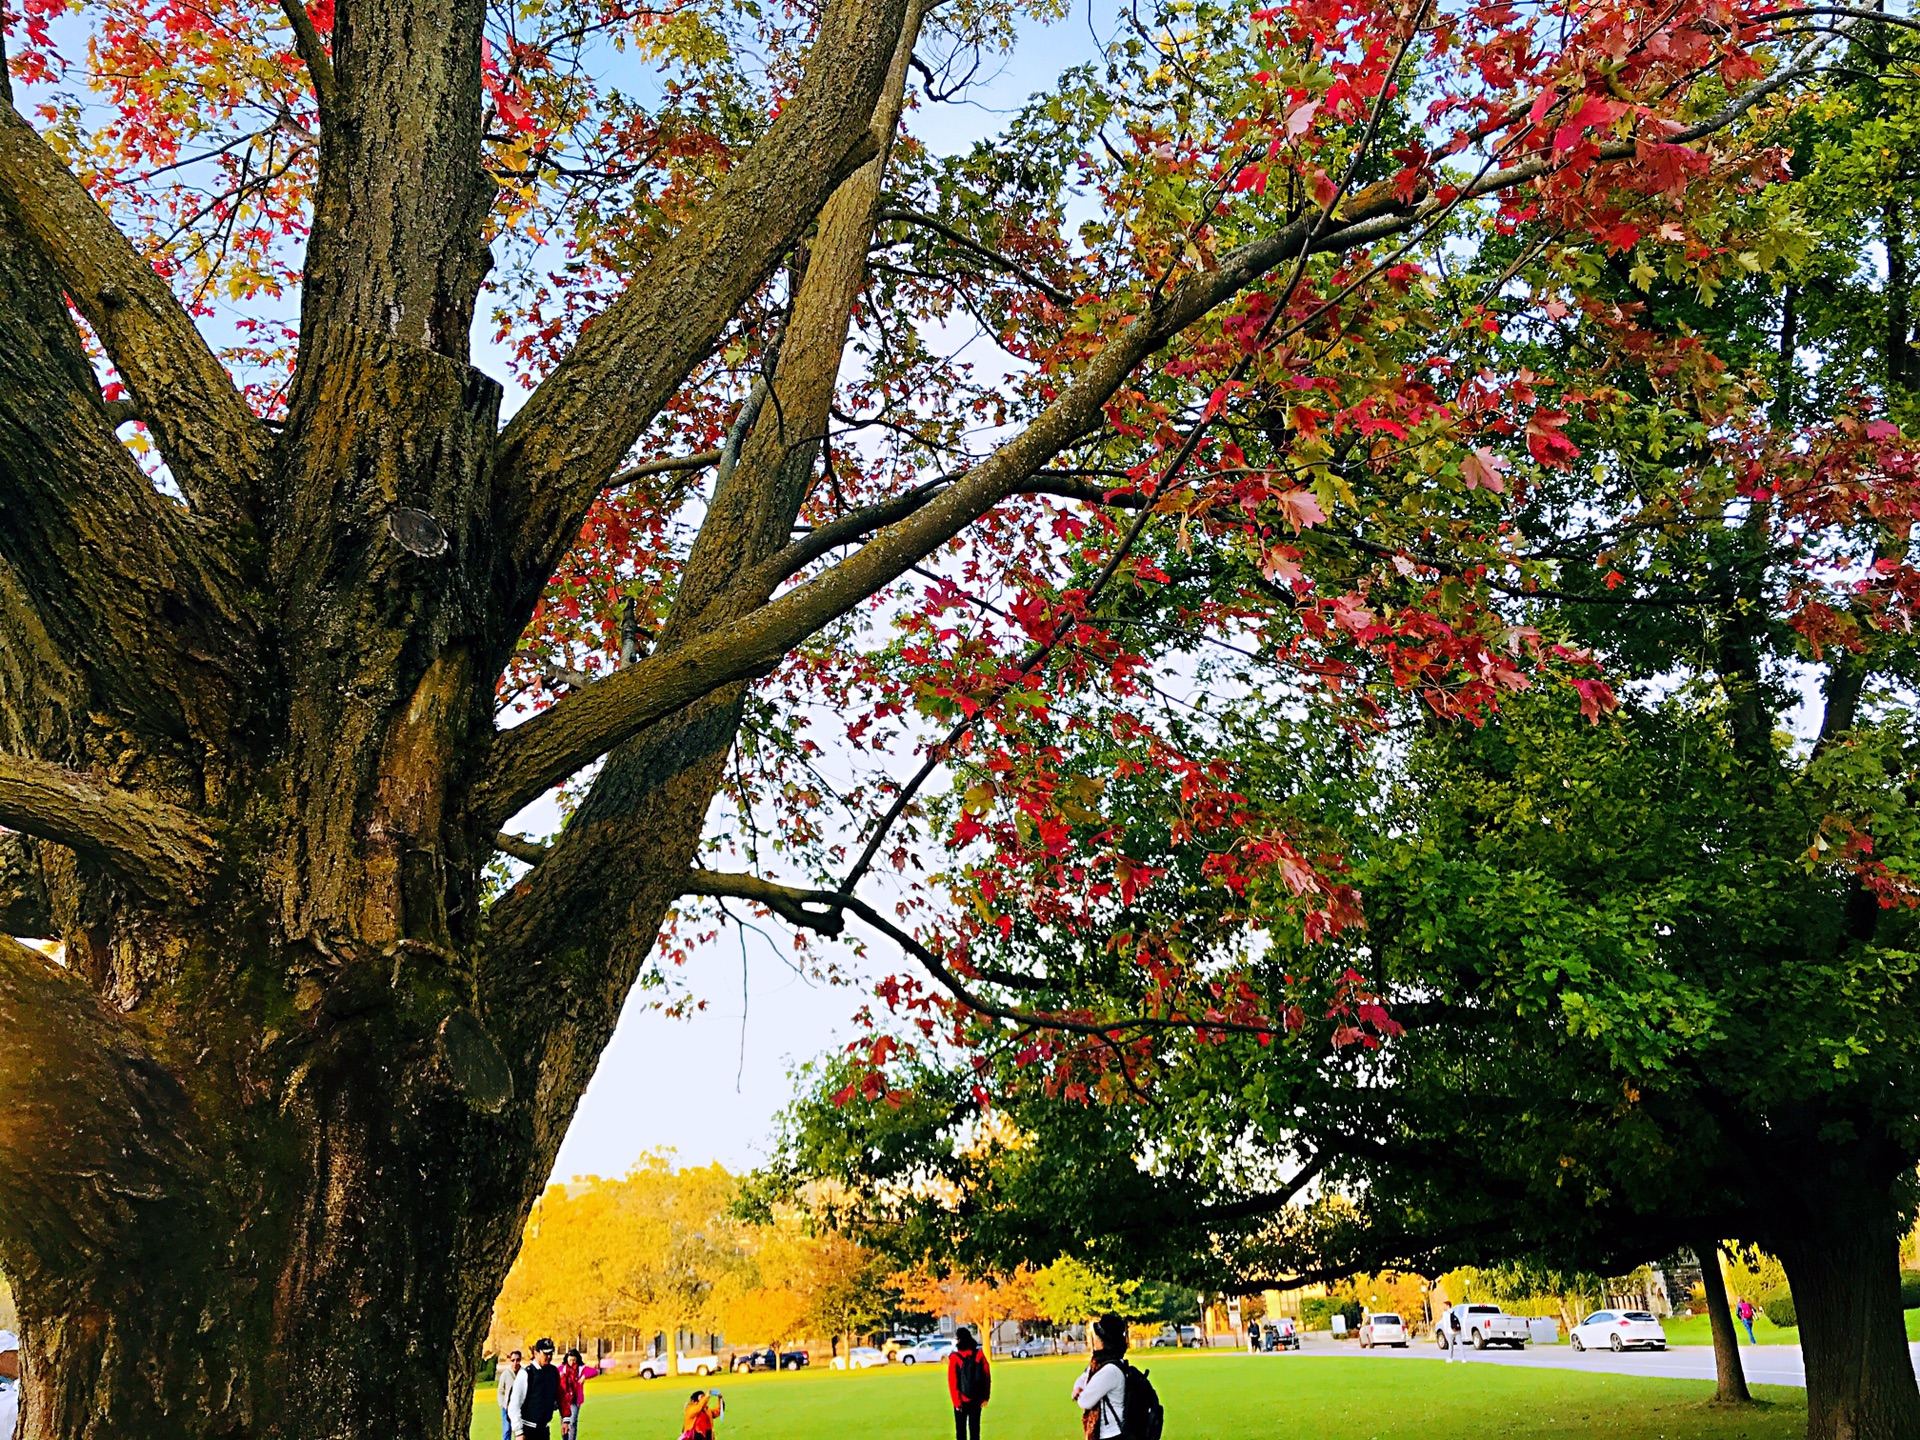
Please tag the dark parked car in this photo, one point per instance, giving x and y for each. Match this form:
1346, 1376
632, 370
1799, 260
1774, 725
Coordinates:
742, 1362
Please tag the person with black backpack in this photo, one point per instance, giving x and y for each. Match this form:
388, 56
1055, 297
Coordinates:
969, 1382
1117, 1402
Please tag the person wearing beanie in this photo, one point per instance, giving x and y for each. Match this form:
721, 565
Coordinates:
1101, 1390
969, 1384
9, 1383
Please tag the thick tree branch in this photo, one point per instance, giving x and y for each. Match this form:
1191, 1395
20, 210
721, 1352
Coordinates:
548, 748
570, 436
785, 901
159, 847
521, 848
212, 442
111, 601
313, 53
671, 465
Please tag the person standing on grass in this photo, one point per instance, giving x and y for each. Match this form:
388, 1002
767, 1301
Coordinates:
969, 1383
573, 1392
509, 1388
697, 1420
1454, 1352
540, 1397
1101, 1390
1746, 1313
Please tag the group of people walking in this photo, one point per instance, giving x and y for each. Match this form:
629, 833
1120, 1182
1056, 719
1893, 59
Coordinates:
534, 1397
1117, 1402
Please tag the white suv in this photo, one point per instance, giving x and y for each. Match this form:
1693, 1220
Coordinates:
1382, 1329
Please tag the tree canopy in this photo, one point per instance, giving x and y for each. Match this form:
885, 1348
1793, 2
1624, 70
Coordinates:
1311, 324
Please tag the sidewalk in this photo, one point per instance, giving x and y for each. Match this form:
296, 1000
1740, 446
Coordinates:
1764, 1364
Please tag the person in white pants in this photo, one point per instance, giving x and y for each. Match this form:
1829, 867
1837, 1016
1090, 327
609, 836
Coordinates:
1456, 1350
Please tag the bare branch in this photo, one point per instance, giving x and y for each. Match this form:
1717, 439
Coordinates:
671, 465
521, 848
159, 847
820, 911
1872, 17
783, 900
1011, 266
212, 442
854, 525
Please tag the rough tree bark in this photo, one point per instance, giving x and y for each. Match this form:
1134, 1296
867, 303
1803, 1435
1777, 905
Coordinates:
1728, 1370
1834, 1216
278, 1119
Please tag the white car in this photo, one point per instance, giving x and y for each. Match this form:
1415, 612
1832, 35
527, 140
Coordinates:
1038, 1345
864, 1357
656, 1367
1382, 1329
1619, 1330
927, 1352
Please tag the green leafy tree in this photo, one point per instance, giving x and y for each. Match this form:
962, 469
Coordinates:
1654, 966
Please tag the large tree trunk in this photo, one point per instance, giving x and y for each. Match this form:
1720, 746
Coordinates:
269, 1135
1727, 1368
1844, 1265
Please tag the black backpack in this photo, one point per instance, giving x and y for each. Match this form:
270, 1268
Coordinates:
972, 1379
1142, 1417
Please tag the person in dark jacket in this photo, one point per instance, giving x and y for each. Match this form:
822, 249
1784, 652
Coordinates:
969, 1383
541, 1399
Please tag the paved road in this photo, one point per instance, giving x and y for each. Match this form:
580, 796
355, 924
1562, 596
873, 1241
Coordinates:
1765, 1364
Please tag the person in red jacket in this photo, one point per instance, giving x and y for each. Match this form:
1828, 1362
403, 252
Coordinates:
573, 1393
969, 1382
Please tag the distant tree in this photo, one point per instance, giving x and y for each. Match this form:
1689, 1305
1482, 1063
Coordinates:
1071, 1292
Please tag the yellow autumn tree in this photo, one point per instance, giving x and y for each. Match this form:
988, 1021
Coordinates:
652, 1252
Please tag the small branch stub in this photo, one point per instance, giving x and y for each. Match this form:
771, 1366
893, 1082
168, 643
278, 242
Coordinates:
480, 1072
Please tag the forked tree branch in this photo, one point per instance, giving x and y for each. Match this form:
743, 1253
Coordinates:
211, 441
160, 848
570, 436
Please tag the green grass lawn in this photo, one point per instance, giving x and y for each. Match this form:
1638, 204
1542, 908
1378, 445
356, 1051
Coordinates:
1229, 1396
1696, 1330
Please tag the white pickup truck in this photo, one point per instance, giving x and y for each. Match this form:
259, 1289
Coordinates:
655, 1367
1481, 1326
